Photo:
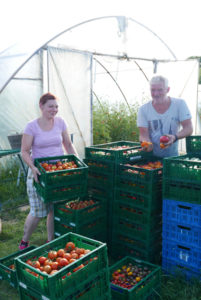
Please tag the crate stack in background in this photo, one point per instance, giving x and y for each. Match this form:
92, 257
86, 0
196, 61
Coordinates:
137, 209
181, 245
86, 277
102, 161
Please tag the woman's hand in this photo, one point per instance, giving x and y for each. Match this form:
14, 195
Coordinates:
36, 172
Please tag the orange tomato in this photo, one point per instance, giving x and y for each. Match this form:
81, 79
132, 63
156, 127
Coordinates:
162, 146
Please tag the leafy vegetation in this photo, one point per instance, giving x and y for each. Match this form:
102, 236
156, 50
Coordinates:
114, 122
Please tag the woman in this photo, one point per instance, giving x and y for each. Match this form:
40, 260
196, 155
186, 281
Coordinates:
42, 137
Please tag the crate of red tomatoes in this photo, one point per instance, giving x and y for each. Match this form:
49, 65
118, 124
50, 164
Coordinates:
59, 171
131, 278
63, 266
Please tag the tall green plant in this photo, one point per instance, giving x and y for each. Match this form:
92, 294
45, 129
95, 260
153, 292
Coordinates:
114, 122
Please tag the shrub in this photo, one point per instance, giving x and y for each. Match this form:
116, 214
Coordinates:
114, 122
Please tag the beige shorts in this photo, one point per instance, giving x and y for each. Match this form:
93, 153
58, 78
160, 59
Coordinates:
37, 207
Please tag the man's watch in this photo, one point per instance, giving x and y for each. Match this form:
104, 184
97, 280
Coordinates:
176, 138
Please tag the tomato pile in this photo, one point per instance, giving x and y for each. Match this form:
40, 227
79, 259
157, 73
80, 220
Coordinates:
59, 166
79, 204
129, 275
56, 260
148, 166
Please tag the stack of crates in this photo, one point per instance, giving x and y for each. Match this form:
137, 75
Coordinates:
85, 278
102, 161
181, 245
137, 209
61, 184
86, 216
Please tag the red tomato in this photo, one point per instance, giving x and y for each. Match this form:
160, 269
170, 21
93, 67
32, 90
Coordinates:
164, 139
47, 269
36, 264
48, 262
70, 246
52, 254
60, 252
63, 262
55, 265
74, 255
42, 259
67, 256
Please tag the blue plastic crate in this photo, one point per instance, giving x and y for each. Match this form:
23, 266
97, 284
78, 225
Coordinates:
179, 269
182, 233
189, 256
184, 213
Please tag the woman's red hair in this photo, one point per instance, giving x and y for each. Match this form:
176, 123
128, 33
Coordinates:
48, 96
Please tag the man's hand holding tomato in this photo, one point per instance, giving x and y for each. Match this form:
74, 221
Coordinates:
147, 146
167, 140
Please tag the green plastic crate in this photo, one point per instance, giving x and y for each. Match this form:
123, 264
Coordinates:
120, 236
152, 203
61, 193
105, 167
147, 288
64, 177
117, 251
61, 284
181, 191
7, 273
141, 188
100, 193
131, 212
185, 168
139, 231
135, 171
107, 151
98, 288
88, 228
193, 144
63, 213
100, 180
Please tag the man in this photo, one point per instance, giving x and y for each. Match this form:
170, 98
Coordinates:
163, 115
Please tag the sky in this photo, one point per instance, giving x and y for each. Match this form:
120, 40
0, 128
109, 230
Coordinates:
177, 22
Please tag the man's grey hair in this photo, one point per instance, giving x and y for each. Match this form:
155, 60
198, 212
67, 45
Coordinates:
159, 79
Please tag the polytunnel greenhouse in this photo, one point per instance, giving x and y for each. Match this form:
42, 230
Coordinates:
110, 57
